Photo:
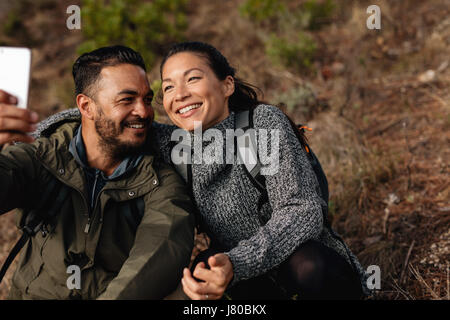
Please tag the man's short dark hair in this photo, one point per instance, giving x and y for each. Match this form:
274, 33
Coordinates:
86, 70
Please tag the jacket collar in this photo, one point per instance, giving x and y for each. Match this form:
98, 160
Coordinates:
53, 153
78, 150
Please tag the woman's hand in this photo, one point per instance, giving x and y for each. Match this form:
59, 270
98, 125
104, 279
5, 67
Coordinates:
216, 279
15, 122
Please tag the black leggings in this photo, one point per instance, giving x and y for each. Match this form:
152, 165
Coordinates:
313, 271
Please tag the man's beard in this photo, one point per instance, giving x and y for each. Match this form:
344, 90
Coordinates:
110, 143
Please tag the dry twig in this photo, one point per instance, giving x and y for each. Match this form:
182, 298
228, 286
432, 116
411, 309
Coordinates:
423, 282
406, 261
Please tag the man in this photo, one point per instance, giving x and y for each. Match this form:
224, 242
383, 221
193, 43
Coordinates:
126, 222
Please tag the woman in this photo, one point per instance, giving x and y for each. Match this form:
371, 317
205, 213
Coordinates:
291, 245
279, 249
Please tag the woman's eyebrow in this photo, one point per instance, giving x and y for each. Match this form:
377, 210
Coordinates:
184, 73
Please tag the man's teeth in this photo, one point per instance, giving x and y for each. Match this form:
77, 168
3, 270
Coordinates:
189, 108
136, 126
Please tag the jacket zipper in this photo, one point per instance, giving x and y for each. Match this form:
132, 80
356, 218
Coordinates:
93, 202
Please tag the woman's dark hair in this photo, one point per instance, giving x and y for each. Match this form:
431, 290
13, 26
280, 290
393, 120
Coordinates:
86, 70
244, 96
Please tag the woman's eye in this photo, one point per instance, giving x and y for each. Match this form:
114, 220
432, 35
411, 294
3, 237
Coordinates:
193, 78
167, 88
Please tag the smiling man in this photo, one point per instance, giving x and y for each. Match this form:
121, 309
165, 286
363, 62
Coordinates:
119, 216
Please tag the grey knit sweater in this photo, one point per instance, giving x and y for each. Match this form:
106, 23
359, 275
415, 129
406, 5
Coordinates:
227, 199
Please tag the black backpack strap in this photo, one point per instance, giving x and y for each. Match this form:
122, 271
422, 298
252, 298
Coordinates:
322, 179
36, 219
18, 246
246, 145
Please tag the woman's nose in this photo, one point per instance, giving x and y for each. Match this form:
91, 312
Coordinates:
181, 93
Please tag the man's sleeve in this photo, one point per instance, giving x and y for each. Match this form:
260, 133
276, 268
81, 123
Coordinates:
163, 244
18, 173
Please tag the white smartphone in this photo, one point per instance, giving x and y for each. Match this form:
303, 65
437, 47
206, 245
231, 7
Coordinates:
15, 66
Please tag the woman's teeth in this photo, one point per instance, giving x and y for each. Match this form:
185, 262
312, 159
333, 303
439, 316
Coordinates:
189, 108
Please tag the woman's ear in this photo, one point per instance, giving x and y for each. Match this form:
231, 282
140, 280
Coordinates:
228, 85
86, 106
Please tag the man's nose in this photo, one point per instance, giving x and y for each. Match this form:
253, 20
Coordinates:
143, 110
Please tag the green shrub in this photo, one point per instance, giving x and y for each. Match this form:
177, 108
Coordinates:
260, 10
143, 26
316, 13
297, 53
309, 14
300, 98
282, 27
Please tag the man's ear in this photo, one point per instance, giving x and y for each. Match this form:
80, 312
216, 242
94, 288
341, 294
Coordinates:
228, 85
86, 106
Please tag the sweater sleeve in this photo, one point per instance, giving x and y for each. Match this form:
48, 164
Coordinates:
162, 134
294, 197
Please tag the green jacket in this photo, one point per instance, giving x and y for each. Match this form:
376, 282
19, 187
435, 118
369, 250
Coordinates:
118, 260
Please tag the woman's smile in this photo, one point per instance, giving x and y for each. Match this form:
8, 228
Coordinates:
188, 110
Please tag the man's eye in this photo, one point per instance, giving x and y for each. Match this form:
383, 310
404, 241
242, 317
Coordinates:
148, 100
129, 99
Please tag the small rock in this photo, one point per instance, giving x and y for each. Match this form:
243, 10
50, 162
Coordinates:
427, 76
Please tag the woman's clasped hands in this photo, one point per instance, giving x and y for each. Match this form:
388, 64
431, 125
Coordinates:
212, 282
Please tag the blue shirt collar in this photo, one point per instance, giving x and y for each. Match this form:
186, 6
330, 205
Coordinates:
78, 150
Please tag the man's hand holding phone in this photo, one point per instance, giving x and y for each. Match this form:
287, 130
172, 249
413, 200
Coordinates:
15, 122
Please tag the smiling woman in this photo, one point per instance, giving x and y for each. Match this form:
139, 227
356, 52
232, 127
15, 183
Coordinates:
275, 230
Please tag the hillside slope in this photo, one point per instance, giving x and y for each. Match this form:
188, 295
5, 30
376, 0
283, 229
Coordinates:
380, 119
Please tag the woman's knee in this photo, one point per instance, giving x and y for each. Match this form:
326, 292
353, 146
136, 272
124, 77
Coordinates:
306, 266
317, 271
